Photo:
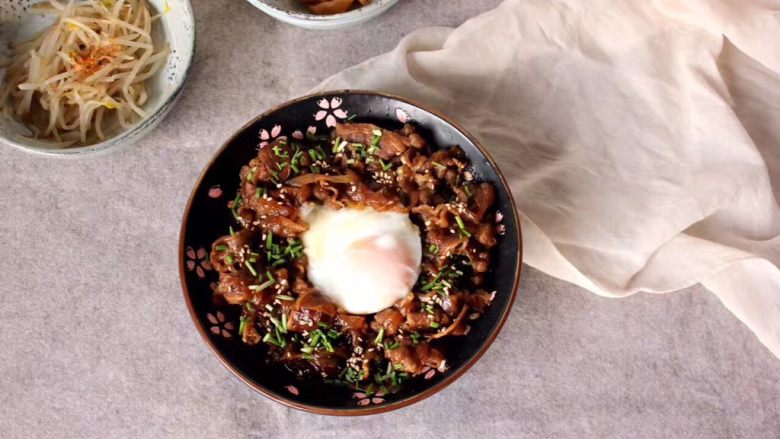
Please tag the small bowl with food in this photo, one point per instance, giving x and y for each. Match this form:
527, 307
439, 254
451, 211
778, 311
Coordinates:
350, 253
83, 76
323, 14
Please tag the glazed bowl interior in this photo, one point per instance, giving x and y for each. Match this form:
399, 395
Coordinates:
207, 218
176, 26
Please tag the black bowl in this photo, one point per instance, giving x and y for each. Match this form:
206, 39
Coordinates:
207, 217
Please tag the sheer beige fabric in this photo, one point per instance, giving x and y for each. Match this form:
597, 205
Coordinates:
641, 138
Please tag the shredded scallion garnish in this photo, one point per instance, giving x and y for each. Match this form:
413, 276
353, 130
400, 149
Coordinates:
250, 268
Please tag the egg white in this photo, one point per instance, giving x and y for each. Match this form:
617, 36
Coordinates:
361, 259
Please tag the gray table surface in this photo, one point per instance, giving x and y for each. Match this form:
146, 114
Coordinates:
97, 341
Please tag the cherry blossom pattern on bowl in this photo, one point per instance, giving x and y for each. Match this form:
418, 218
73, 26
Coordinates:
198, 260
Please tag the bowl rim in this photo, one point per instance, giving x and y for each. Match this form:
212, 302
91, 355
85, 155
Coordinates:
128, 136
365, 9
367, 410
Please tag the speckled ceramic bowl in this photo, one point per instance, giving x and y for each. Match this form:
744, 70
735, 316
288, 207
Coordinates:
177, 28
207, 217
295, 13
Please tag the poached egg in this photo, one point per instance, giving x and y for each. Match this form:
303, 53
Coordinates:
363, 260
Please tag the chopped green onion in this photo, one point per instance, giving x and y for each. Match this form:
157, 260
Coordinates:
379, 337
285, 297
249, 306
262, 286
385, 167
349, 119
270, 276
328, 346
232, 233
433, 248
438, 165
236, 205
435, 325
278, 152
462, 226
375, 139
467, 188
430, 284
294, 161
340, 147
275, 321
307, 349
250, 268
229, 259
221, 248
351, 161
315, 169
269, 240
242, 326
393, 345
